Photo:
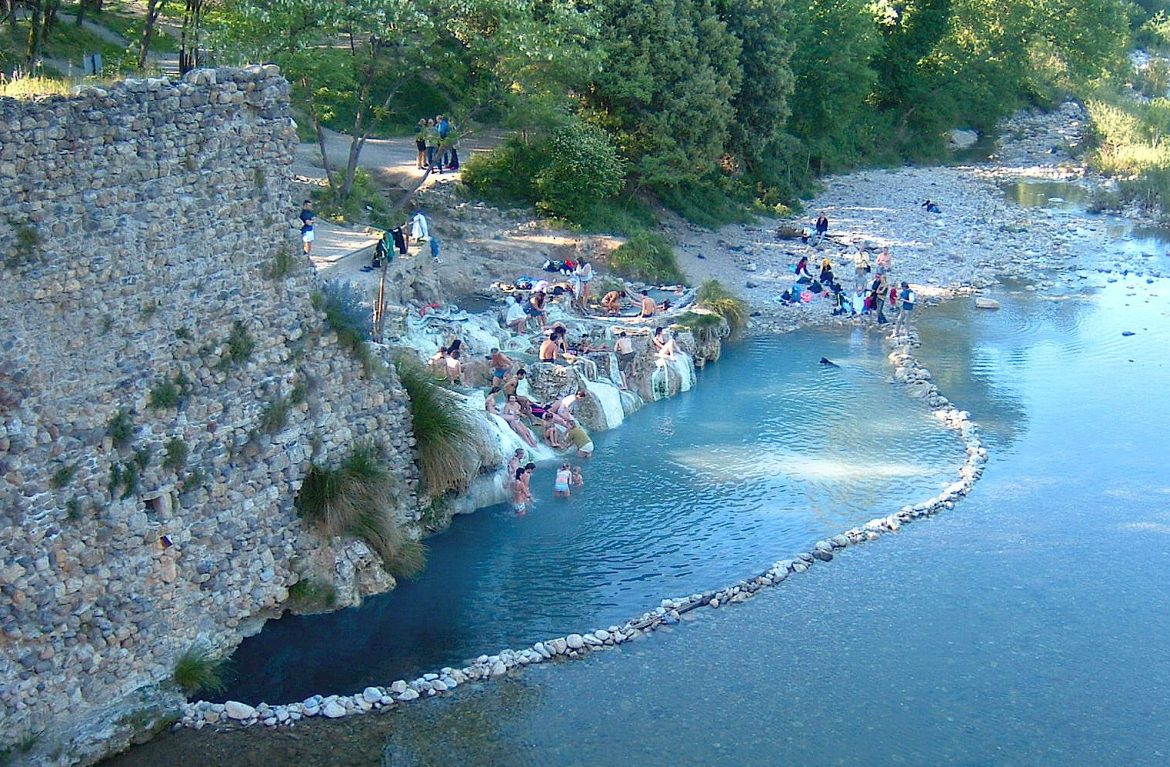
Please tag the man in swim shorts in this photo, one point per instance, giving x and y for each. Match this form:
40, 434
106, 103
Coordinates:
648, 305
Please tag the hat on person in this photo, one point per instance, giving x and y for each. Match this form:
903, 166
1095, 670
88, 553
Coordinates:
905, 284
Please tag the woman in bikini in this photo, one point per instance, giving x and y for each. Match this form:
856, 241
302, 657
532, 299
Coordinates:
512, 414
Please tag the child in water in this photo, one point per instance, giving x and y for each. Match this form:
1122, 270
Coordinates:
576, 480
564, 477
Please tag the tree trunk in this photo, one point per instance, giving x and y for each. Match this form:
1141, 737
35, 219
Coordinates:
324, 155
189, 36
35, 32
50, 20
11, 6
153, 9
355, 149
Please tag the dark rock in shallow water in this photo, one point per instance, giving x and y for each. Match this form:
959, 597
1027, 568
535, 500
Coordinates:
1127, 333
824, 556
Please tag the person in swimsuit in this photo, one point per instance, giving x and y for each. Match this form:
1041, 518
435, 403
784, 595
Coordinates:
521, 496
495, 400
648, 305
549, 348
535, 307
624, 348
578, 480
515, 462
554, 428
668, 349
512, 414
612, 302
564, 407
454, 367
563, 479
501, 364
512, 384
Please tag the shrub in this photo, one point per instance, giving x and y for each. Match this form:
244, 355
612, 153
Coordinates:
348, 317
312, 594
648, 258
299, 393
583, 169
444, 433
177, 452
240, 344
120, 429
25, 246
63, 475
506, 173
704, 325
275, 415
355, 499
198, 670
163, 395
282, 265
716, 297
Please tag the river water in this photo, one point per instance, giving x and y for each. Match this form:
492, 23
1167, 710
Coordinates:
771, 452
1029, 626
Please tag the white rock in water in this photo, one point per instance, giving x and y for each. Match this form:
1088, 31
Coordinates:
986, 303
238, 711
602, 634
408, 694
333, 710
574, 641
398, 687
499, 669
372, 694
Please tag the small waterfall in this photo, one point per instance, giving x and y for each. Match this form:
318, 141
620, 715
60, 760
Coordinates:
609, 398
660, 382
684, 364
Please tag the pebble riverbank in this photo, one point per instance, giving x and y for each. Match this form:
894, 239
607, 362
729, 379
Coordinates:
978, 240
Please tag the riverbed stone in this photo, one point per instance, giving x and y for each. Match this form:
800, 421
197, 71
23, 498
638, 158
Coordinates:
239, 711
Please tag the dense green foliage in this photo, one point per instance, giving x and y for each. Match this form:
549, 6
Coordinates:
649, 258
713, 106
566, 173
715, 296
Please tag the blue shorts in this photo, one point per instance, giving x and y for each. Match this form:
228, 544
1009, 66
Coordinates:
499, 373
561, 488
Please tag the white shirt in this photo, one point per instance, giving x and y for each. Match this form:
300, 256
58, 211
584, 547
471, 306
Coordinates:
515, 312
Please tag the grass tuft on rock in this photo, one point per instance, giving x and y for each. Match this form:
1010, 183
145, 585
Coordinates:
199, 670
356, 499
444, 433
716, 297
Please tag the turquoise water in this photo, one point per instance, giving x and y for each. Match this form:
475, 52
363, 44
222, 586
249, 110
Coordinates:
1027, 627
770, 452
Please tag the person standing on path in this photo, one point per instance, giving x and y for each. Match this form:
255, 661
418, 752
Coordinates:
908, 300
432, 142
307, 217
584, 275
420, 143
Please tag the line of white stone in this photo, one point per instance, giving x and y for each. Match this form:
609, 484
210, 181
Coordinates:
907, 371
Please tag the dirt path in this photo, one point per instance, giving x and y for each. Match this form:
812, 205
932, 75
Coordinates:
392, 162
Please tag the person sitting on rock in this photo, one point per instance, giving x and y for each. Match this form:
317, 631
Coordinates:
827, 277
802, 272
516, 318
649, 307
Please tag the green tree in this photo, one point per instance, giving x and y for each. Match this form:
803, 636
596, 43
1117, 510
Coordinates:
834, 42
665, 93
761, 104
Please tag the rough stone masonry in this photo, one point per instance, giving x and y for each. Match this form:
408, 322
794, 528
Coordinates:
165, 385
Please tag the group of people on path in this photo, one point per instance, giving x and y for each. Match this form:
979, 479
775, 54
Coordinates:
437, 144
